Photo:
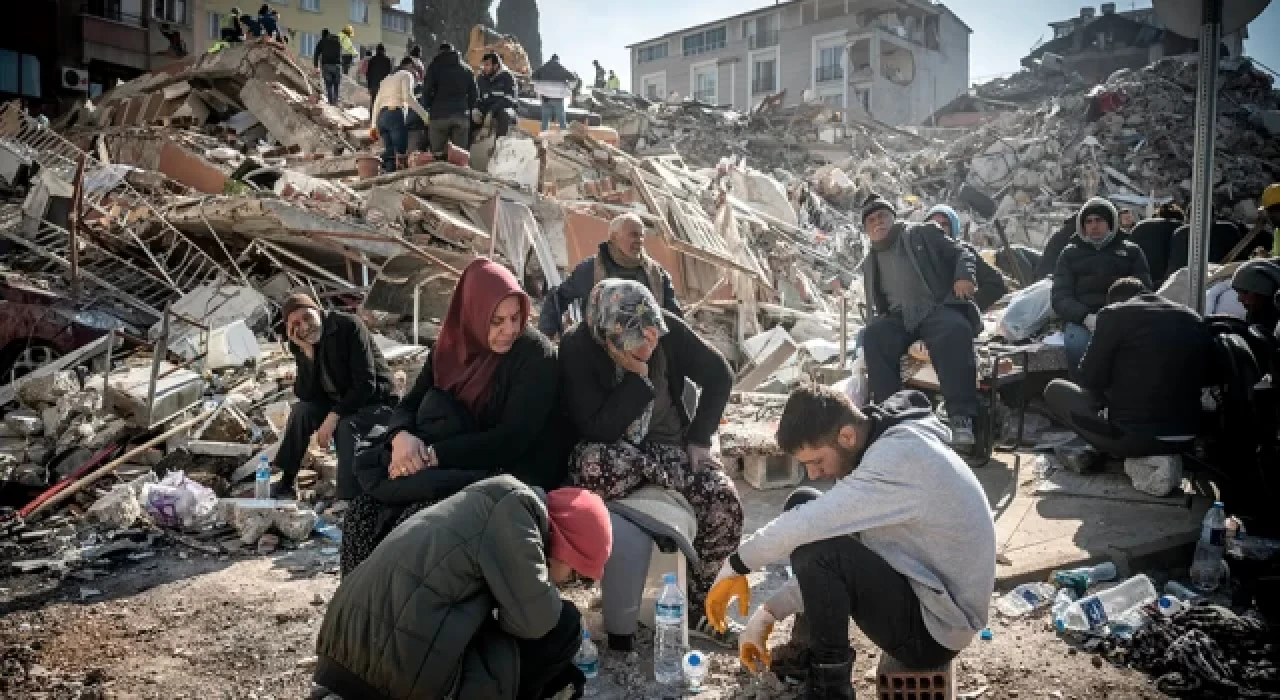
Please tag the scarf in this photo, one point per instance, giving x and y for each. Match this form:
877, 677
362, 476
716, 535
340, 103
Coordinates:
618, 313
462, 363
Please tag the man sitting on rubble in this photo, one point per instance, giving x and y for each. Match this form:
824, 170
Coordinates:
497, 89
343, 387
621, 257
920, 285
1146, 365
449, 94
991, 283
1095, 258
1127, 221
1256, 284
1155, 237
903, 543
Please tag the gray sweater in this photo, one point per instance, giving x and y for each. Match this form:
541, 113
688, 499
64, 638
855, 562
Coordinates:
914, 502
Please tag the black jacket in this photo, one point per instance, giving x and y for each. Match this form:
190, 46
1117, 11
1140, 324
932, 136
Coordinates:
941, 260
346, 353
580, 283
1223, 236
1053, 248
378, 69
1149, 357
552, 71
497, 91
600, 410
449, 89
328, 52
991, 283
519, 431
1155, 238
1085, 273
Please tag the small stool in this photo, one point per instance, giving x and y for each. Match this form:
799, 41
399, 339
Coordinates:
895, 682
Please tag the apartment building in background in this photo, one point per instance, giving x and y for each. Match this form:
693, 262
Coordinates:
898, 60
1097, 43
302, 20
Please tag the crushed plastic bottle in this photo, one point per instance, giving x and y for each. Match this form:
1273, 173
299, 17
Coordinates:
1082, 578
1061, 601
1093, 612
1026, 598
1208, 567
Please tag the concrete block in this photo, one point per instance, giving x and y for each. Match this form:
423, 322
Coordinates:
895, 682
285, 123
118, 509
47, 389
175, 392
767, 352
448, 226
190, 169
211, 448
766, 472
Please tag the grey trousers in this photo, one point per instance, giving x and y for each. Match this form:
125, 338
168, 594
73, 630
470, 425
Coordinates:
949, 337
1070, 402
455, 130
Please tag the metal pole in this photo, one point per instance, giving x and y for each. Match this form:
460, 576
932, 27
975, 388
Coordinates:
844, 330
417, 290
158, 354
106, 373
73, 226
1202, 167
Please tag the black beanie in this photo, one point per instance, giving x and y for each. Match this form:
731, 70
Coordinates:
874, 202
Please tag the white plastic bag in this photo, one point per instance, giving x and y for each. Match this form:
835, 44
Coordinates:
178, 501
1156, 476
858, 389
1029, 310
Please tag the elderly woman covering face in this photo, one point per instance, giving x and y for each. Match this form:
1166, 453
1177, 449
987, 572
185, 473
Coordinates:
623, 372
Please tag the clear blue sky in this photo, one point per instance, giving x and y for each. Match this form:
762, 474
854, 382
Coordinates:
1003, 30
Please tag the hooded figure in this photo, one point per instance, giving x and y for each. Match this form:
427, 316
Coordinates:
379, 67
1257, 283
417, 618
991, 284
484, 403
1094, 259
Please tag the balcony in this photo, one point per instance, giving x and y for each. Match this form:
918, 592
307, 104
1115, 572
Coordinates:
113, 36
829, 74
704, 48
766, 86
762, 40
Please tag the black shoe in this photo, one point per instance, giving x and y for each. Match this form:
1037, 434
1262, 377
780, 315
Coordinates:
830, 681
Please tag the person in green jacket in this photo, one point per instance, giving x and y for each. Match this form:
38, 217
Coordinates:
348, 48
462, 599
614, 84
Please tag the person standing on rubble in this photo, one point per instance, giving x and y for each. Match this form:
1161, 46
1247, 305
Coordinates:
343, 387
1094, 259
484, 403
621, 257
267, 21
614, 83
232, 32
903, 543
390, 115
328, 60
919, 285
497, 89
1146, 365
449, 95
554, 84
1155, 237
622, 379
991, 283
419, 68
348, 48
1269, 217
463, 600
600, 79
377, 70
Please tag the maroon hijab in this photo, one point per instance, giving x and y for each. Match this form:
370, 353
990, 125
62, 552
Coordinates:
462, 362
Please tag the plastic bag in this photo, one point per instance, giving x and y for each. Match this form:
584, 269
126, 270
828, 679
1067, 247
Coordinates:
859, 388
178, 501
1157, 476
1029, 311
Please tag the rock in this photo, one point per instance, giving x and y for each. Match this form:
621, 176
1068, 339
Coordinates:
295, 524
46, 390
111, 432
253, 525
24, 422
119, 509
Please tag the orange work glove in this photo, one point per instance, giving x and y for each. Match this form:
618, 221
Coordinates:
729, 585
753, 643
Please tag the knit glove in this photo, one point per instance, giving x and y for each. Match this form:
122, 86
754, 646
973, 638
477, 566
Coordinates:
1091, 322
728, 585
753, 642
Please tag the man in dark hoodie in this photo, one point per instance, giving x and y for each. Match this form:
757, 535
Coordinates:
378, 69
919, 285
497, 88
620, 257
449, 93
903, 544
1094, 259
328, 59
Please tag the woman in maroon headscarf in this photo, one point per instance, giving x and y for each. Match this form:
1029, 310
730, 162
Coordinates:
484, 403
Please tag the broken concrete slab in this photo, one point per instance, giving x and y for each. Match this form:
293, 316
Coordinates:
175, 390
277, 113
766, 353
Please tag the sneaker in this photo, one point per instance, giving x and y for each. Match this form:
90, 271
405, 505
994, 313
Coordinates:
727, 639
962, 432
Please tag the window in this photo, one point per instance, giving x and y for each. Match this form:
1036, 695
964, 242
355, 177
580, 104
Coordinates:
651, 53
307, 44
829, 64
761, 32
702, 42
309, 5
833, 101
704, 84
169, 10
395, 22
360, 11
19, 73
215, 25
764, 75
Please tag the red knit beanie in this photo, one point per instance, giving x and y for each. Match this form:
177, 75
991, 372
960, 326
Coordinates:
581, 534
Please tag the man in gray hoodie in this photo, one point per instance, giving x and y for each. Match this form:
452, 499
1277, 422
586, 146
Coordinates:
903, 544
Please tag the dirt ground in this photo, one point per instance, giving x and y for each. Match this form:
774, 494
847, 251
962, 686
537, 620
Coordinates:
188, 625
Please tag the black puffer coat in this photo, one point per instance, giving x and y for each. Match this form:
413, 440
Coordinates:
1084, 273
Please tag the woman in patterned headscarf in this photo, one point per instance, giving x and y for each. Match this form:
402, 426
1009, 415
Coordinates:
623, 372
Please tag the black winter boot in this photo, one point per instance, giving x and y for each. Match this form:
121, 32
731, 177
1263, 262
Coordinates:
830, 681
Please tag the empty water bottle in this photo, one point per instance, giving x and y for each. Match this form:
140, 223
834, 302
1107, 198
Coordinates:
262, 482
1091, 613
668, 635
695, 669
1026, 598
588, 661
1061, 601
1207, 568
1080, 579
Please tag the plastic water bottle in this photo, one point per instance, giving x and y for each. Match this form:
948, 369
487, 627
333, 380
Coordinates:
1091, 613
1063, 600
1080, 579
1207, 567
695, 669
1026, 598
262, 484
668, 637
588, 661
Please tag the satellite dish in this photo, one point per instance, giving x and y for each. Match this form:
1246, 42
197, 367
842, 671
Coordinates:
1186, 16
